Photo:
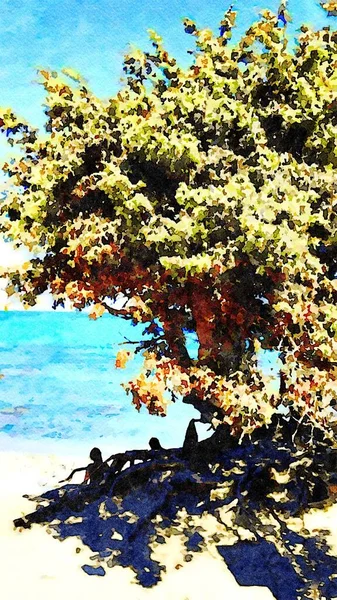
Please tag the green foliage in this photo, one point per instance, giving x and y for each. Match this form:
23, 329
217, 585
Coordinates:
206, 197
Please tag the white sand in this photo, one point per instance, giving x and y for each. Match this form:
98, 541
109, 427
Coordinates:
36, 566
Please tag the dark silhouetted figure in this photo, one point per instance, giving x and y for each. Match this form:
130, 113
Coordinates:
196, 455
93, 474
191, 440
93, 471
155, 444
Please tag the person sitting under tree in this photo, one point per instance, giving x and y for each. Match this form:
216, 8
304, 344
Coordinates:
93, 471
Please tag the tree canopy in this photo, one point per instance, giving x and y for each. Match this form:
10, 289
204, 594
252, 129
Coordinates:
207, 198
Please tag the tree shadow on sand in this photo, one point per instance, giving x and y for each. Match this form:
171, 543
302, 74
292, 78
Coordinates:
125, 523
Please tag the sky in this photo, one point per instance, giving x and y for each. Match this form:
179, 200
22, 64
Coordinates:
91, 37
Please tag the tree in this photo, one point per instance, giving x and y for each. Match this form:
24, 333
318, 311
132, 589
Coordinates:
206, 197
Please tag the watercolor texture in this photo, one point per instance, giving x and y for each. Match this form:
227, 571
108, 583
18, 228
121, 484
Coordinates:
168, 265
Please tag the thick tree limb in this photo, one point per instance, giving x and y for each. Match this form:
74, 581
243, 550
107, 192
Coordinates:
119, 481
206, 409
121, 312
75, 497
172, 321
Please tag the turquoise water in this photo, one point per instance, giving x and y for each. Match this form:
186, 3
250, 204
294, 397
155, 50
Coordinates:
60, 384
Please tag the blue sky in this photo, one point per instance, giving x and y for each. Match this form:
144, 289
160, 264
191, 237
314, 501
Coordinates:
92, 35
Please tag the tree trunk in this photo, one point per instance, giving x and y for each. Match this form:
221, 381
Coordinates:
172, 322
219, 348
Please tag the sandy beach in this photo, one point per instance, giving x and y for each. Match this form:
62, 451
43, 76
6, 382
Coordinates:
34, 565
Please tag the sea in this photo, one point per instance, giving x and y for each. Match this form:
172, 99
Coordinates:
60, 389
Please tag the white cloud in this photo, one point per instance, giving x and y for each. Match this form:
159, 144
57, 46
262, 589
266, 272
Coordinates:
11, 256
14, 257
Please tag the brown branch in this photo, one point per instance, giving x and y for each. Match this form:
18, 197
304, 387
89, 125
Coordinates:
117, 312
138, 475
142, 342
207, 410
